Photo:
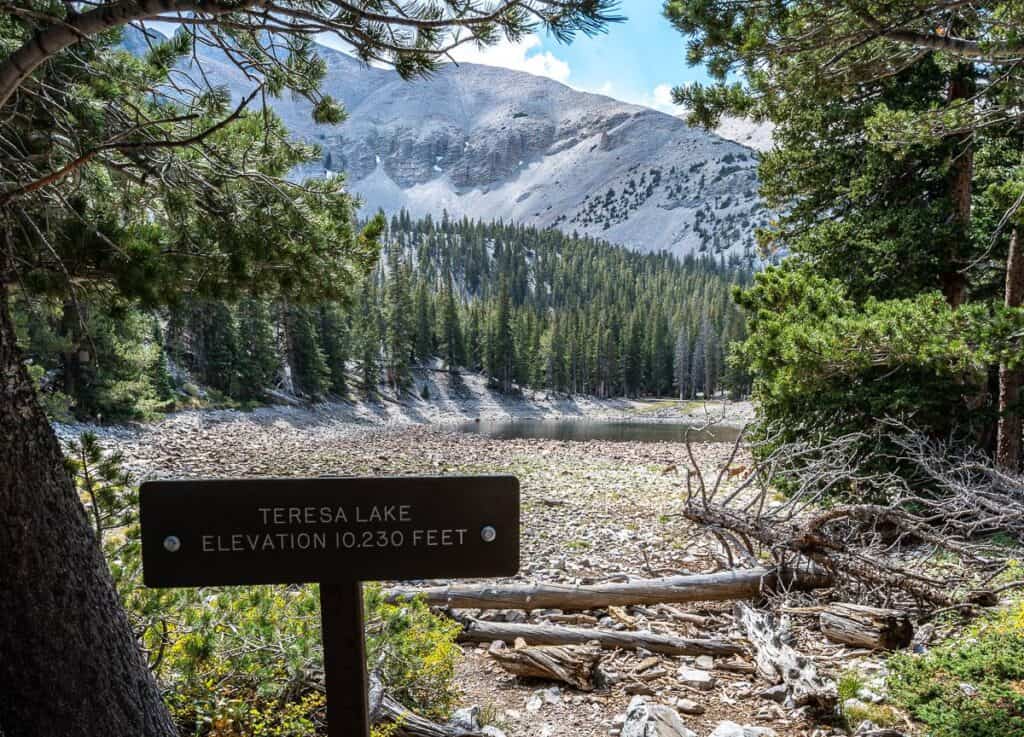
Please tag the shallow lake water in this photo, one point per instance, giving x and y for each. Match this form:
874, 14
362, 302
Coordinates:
581, 430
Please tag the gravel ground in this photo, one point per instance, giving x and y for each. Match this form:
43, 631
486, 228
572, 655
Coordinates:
591, 511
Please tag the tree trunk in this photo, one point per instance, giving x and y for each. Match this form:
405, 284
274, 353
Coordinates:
572, 664
69, 663
724, 586
71, 364
475, 630
1010, 379
954, 283
865, 626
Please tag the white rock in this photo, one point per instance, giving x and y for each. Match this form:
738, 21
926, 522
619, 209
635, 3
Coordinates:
467, 719
699, 679
646, 719
688, 706
533, 704
704, 662
732, 729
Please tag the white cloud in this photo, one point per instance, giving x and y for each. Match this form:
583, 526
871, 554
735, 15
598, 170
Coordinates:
660, 98
523, 57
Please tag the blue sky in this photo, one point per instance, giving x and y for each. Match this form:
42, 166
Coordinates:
639, 60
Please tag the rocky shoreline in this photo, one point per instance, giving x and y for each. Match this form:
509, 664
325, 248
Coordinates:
453, 399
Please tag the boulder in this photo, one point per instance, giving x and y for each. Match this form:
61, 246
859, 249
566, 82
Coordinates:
699, 679
647, 719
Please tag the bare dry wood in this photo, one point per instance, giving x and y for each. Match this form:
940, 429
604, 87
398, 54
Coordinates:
385, 709
724, 586
475, 630
872, 551
777, 662
572, 664
865, 626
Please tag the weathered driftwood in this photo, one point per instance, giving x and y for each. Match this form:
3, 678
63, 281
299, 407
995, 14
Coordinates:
777, 662
572, 664
864, 626
384, 709
724, 586
474, 630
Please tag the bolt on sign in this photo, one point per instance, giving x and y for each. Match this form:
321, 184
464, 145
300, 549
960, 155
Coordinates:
336, 532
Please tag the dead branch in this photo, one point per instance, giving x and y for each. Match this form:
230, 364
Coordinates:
724, 586
929, 540
475, 630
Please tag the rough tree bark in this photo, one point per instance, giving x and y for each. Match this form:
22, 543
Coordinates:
572, 664
954, 283
865, 626
69, 663
1011, 379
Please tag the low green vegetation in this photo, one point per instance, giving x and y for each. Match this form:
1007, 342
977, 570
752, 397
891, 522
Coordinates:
969, 686
248, 660
854, 711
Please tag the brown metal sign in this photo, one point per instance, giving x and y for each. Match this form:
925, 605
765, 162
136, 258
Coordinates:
328, 530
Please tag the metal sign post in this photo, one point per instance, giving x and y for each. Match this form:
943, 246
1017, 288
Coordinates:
335, 532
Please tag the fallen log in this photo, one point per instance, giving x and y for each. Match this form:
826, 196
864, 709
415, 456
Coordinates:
724, 586
572, 664
385, 709
865, 626
777, 662
475, 630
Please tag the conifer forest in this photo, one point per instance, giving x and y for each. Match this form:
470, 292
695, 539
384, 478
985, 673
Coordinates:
525, 307
511, 368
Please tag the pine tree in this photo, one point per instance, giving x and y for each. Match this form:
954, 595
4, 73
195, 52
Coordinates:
712, 362
310, 372
258, 361
501, 355
398, 329
451, 330
698, 375
474, 338
335, 339
682, 363
368, 340
424, 325
632, 361
661, 358
217, 346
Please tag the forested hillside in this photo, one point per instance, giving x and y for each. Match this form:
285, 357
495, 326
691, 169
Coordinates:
527, 307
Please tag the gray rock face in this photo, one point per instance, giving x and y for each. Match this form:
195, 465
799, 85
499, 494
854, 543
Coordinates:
645, 719
486, 142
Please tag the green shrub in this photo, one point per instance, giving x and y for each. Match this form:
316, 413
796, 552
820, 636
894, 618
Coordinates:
972, 686
247, 661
